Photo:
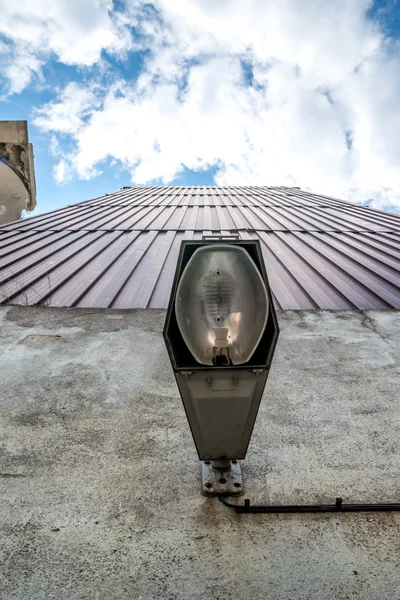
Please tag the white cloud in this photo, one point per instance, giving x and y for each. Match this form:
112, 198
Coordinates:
62, 171
322, 78
67, 116
74, 32
20, 70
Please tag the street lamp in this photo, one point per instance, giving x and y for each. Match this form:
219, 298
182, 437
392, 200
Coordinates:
221, 331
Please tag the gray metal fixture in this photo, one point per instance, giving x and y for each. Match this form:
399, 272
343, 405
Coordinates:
221, 331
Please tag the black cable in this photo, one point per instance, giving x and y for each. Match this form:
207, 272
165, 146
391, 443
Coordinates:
308, 508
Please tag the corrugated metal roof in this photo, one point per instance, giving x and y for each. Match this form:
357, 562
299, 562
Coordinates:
121, 250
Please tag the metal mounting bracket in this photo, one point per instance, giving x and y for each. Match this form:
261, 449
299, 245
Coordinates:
222, 481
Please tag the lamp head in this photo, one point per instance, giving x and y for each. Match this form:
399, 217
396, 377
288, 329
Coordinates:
221, 331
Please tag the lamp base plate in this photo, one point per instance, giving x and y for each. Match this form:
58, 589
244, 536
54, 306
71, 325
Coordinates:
222, 482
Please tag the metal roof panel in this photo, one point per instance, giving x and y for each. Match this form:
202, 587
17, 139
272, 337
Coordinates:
120, 250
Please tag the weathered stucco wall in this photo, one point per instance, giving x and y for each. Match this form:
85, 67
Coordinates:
17, 174
100, 483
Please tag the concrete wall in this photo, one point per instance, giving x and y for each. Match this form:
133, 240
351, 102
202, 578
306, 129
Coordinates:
14, 132
17, 192
14, 197
100, 483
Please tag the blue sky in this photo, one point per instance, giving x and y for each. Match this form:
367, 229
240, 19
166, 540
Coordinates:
198, 92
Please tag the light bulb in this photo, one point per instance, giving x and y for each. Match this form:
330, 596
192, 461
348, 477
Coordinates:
221, 305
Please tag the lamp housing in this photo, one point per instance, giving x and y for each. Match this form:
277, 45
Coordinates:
221, 399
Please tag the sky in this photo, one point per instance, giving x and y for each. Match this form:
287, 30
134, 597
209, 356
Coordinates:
206, 92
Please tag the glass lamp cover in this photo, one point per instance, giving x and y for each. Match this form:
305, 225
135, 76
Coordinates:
221, 295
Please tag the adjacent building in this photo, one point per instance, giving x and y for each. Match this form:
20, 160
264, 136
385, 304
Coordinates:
17, 174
